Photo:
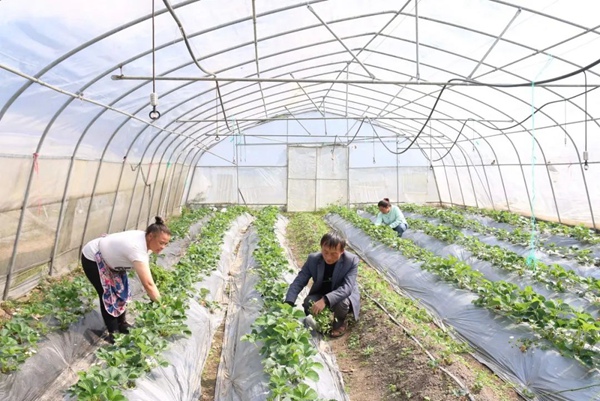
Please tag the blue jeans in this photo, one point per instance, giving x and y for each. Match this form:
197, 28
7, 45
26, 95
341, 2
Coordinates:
400, 228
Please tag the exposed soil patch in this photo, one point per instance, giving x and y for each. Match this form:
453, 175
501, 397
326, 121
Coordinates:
211, 367
379, 361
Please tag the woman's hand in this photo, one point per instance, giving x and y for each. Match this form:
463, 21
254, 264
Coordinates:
143, 272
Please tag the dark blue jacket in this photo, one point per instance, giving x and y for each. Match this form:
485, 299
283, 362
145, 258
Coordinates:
343, 281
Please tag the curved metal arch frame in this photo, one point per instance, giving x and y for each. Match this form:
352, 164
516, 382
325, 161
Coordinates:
189, 2
457, 106
466, 158
469, 171
396, 14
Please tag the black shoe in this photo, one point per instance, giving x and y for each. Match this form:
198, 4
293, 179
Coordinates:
124, 328
110, 338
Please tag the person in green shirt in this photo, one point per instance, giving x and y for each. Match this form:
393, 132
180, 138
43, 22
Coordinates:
392, 216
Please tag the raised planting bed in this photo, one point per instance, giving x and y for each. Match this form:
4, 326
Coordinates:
451, 290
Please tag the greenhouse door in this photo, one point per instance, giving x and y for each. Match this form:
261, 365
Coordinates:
317, 177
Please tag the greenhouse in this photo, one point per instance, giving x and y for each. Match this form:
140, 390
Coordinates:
450, 145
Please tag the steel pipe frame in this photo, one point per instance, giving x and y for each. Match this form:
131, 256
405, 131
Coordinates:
256, 53
340, 41
174, 167
48, 68
38, 149
557, 211
280, 118
392, 128
367, 44
482, 161
465, 156
160, 163
195, 167
495, 42
173, 195
180, 5
548, 172
333, 81
85, 227
507, 205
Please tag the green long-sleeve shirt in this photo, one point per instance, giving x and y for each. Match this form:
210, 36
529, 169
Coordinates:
391, 218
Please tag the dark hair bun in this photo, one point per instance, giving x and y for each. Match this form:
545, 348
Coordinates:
386, 199
159, 220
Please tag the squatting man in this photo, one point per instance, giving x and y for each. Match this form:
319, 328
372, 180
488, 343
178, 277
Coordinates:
333, 271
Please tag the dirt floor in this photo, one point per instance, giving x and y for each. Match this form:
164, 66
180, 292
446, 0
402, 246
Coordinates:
380, 362
209, 374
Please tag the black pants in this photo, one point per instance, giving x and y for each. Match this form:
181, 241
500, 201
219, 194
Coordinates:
340, 310
90, 268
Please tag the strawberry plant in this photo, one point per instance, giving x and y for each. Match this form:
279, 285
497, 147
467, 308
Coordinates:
286, 348
574, 333
55, 306
521, 235
578, 232
137, 353
180, 226
554, 276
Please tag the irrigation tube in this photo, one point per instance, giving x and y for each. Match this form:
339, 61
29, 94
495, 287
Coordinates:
416, 340
543, 371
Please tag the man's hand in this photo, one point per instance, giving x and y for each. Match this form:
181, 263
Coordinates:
318, 306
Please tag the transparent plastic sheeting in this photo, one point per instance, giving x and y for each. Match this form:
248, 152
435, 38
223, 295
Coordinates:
53, 369
256, 185
331, 383
241, 376
490, 272
187, 355
544, 372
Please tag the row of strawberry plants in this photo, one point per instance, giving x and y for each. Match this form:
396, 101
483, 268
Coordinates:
573, 333
578, 232
179, 227
554, 276
53, 306
518, 236
135, 354
304, 233
288, 356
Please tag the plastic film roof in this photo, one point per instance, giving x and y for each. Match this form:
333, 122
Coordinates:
76, 77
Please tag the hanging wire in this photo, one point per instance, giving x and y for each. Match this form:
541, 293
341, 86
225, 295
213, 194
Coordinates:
154, 114
193, 56
217, 116
373, 130
522, 85
585, 150
531, 258
532, 238
565, 127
